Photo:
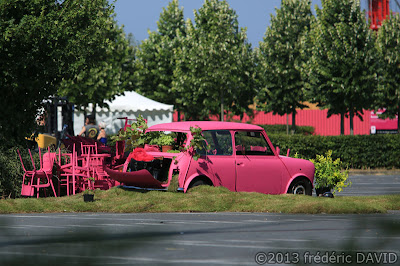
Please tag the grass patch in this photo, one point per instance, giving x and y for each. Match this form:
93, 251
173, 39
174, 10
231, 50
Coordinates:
201, 199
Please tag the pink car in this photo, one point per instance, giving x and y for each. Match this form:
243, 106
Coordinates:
239, 157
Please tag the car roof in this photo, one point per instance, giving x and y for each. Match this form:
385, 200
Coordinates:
204, 125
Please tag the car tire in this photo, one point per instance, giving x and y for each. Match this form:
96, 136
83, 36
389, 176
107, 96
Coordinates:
301, 187
196, 183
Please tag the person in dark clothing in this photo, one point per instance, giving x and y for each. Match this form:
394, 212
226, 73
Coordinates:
90, 129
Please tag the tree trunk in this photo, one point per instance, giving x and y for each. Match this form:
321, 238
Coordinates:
398, 120
342, 124
222, 105
94, 111
293, 122
351, 122
179, 114
84, 115
287, 124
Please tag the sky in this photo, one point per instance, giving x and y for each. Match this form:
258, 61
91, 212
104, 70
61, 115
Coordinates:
139, 16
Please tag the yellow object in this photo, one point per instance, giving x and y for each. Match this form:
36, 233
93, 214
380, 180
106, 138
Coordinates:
44, 141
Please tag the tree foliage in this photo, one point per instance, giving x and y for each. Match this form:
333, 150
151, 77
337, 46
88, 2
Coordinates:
43, 42
341, 70
156, 60
112, 75
388, 46
280, 58
215, 64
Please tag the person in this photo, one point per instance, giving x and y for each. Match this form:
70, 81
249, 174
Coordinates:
102, 137
90, 130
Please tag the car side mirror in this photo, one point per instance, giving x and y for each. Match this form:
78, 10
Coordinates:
278, 150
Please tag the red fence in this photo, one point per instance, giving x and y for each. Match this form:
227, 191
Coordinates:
318, 119
315, 118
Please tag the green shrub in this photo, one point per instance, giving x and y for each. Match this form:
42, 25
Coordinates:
11, 172
329, 173
281, 129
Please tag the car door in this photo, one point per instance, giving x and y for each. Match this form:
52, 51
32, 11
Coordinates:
258, 169
219, 158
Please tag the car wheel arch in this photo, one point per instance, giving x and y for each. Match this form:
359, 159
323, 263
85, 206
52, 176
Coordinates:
191, 180
296, 180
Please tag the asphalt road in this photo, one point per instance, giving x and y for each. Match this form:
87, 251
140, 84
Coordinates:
196, 238
369, 185
206, 238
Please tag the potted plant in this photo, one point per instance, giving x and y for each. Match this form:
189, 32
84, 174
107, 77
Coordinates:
163, 140
329, 174
88, 194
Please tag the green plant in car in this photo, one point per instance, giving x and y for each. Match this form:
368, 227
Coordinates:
162, 140
197, 143
134, 135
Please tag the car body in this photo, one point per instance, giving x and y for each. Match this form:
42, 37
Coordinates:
239, 157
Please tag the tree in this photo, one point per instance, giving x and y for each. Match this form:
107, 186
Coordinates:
156, 60
215, 64
280, 57
341, 70
111, 76
388, 46
43, 42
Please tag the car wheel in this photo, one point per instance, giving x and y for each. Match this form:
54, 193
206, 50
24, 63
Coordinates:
301, 187
196, 183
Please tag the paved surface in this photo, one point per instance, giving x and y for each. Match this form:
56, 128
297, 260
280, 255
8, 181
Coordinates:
195, 239
206, 238
368, 185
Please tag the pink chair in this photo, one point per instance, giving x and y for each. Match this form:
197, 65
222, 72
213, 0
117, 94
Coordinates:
41, 178
119, 159
75, 173
64, 165
258, 148
27, 189
88, 148
44, 175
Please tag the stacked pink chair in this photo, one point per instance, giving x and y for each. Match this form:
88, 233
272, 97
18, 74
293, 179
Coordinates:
96, 162
27, 189
38, 178
75, 173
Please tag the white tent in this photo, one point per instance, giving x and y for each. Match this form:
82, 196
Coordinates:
130, 105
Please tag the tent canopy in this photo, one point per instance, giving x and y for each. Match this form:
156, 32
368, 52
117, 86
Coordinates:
130, 105
135, 102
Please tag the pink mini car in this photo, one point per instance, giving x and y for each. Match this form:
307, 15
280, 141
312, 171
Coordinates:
239, 157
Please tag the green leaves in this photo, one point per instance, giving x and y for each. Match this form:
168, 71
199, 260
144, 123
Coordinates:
156, 57
214, 64
388, 47
135, 135
341, 68
280, 58
44, 43
197, 143
329, 173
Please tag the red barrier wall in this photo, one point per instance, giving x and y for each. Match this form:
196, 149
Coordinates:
316, 118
